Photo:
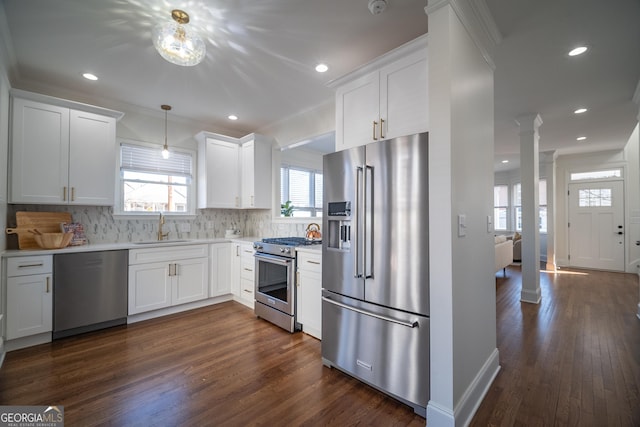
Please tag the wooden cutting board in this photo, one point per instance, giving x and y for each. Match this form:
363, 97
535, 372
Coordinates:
44, 222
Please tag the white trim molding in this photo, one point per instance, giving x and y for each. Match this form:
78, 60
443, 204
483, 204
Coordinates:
636, 98
477, 20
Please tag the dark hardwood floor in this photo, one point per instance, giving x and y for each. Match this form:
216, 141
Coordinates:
572, 360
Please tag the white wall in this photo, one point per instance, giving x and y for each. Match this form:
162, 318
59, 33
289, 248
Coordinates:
464, 357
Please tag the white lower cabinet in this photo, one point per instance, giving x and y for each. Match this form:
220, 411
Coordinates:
167, 276
309, 292
220, 272
243, 273
29, 296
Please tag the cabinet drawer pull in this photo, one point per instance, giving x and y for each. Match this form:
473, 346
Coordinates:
381, 128
73, 194
247, 291
298, 278
251, 200
374, 130
30, 265
313, 262
47, 284
248, 269
64, 194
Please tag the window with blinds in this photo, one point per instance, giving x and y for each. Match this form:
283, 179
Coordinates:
150, 183
303, 188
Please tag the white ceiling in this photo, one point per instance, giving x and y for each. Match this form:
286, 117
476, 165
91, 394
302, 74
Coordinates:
261, 57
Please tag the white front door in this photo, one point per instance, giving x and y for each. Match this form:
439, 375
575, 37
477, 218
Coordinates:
596, 225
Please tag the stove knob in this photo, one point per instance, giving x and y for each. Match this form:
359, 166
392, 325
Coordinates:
256, 246
282, 250
288, 250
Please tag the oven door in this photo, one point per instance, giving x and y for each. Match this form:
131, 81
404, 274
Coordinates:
274, 282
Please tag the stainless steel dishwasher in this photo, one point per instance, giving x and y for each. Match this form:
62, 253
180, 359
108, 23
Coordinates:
89, 291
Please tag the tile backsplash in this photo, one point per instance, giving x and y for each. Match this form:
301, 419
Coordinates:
101, 227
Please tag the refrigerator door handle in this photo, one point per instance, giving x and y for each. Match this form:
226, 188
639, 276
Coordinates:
358, 222
368, 218
409, 324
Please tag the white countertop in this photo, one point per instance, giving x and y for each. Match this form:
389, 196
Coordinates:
111, 247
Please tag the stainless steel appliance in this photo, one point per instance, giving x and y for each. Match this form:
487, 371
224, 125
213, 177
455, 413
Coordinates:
275, 291
375, 266
89, 291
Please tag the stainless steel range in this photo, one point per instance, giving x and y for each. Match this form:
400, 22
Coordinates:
275, 280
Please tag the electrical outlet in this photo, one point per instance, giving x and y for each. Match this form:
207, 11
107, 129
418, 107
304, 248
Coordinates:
185, 228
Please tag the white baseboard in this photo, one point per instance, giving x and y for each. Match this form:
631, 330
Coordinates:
177, 309
470, 401
472, 397
532, 297
29, 341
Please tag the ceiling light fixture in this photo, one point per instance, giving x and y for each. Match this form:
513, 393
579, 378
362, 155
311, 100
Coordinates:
232, 117
505, 161
581, 138
580, 111
175, 44
90, 76
165, 147
377, 6
322, 68
578, 51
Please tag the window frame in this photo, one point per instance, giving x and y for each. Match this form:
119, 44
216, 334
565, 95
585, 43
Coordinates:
517, 206
118, 208
505, 207
284, 184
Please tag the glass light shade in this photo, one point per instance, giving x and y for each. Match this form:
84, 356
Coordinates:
176, 45
165, 152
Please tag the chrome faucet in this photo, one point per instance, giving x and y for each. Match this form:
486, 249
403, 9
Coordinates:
161, 235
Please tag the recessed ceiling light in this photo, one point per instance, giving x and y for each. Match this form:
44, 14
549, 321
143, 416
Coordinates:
232, 117
578, 51
321, 68
90, 76
581, 138
505, 161
580, 111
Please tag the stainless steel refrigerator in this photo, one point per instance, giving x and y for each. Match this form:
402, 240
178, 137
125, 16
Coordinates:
375, 266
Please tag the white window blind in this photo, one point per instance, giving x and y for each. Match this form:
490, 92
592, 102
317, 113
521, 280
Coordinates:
135, 158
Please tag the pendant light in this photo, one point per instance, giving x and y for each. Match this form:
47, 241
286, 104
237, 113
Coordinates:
176, 44
165, 147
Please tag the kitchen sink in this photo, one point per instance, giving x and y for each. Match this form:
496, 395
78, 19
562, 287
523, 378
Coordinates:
154, 242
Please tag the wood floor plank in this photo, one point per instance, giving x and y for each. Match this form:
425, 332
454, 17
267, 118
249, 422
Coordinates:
574, 359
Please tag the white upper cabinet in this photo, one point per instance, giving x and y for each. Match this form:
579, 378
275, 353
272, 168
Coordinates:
218, 174
61, 155
234, 173
384, 99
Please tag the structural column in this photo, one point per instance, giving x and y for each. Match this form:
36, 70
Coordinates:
529, 180
636, 100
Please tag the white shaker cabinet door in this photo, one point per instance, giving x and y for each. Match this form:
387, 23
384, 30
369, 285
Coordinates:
39, 153
404, 96
92, 156
220, 273
357, 112
149, 287
220, 180
29, 305
191, 280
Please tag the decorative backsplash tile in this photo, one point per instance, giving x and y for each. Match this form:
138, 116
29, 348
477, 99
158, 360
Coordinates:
101, 227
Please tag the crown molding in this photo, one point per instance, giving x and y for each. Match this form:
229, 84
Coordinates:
8, 61
477, 20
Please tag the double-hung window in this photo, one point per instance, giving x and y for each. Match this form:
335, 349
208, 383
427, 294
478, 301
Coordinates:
303, 189
149, 183
542, 205
500, 206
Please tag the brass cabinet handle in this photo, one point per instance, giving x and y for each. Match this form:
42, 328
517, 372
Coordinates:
381, 128
237, 201
374, 130
247, 269
252, 203
30, 265
73, 194
48, 284
64, 194
298, 278
313, 262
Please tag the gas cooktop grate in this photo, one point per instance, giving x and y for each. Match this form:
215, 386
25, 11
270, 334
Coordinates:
291, 241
